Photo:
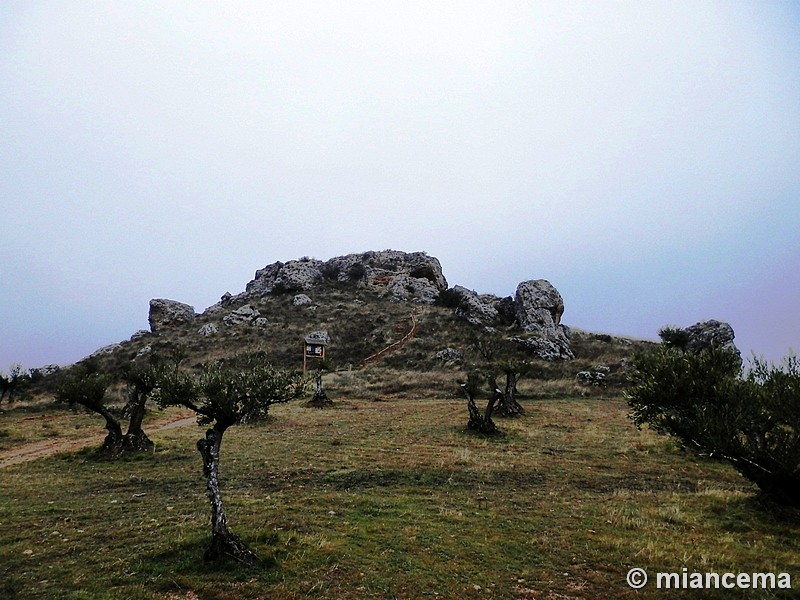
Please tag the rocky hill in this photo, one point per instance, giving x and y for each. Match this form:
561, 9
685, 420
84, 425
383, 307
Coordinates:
410, 279
391, 309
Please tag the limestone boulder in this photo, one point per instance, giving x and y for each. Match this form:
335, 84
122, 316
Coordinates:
299, 275
380, 268
225, 303
47, 370
539, 308
301, 300
208, 329
243, 315
711, 333
166, 314
449, 355
110, 349
264, 280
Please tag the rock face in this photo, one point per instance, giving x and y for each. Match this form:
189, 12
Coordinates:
546, 349
110, 349
404, 288
539, 307
708, 333
475, 309
166, 314
48, 369
407, 276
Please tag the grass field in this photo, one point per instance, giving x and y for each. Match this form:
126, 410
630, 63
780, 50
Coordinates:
387, 499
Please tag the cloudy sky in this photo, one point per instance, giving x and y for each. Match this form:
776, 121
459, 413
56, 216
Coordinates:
644, 157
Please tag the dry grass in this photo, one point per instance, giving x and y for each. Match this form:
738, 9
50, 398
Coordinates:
385, 495
391, 499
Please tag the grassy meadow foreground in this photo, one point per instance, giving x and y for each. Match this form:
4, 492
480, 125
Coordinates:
384, 497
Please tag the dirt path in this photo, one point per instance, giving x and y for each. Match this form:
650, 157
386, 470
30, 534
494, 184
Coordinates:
34, 450
399, 343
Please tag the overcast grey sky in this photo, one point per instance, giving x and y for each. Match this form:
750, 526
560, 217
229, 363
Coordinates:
644, 157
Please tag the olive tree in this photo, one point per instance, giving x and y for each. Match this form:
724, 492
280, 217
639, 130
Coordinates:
85, 386
10, 384
707, 401
501, 356
141, 380
224, 395
480, 422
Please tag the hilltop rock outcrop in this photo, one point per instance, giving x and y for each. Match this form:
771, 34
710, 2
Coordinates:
407, 276
166, 314
531, 318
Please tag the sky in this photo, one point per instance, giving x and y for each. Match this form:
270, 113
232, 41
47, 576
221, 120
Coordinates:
643, 157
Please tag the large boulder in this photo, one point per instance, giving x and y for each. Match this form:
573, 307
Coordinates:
539, 308
166, 314
292, 276
711, 333
264, 280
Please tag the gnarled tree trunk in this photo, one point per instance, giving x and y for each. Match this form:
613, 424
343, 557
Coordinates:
113, 442
509, 407
136, 439
224, 543
481, 423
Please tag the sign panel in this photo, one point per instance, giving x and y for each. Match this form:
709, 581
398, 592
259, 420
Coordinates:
315, 351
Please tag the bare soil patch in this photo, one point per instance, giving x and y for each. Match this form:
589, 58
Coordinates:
42, 449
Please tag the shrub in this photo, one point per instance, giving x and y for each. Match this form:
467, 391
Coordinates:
751, 420
357, 272
449, 298
330, 271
